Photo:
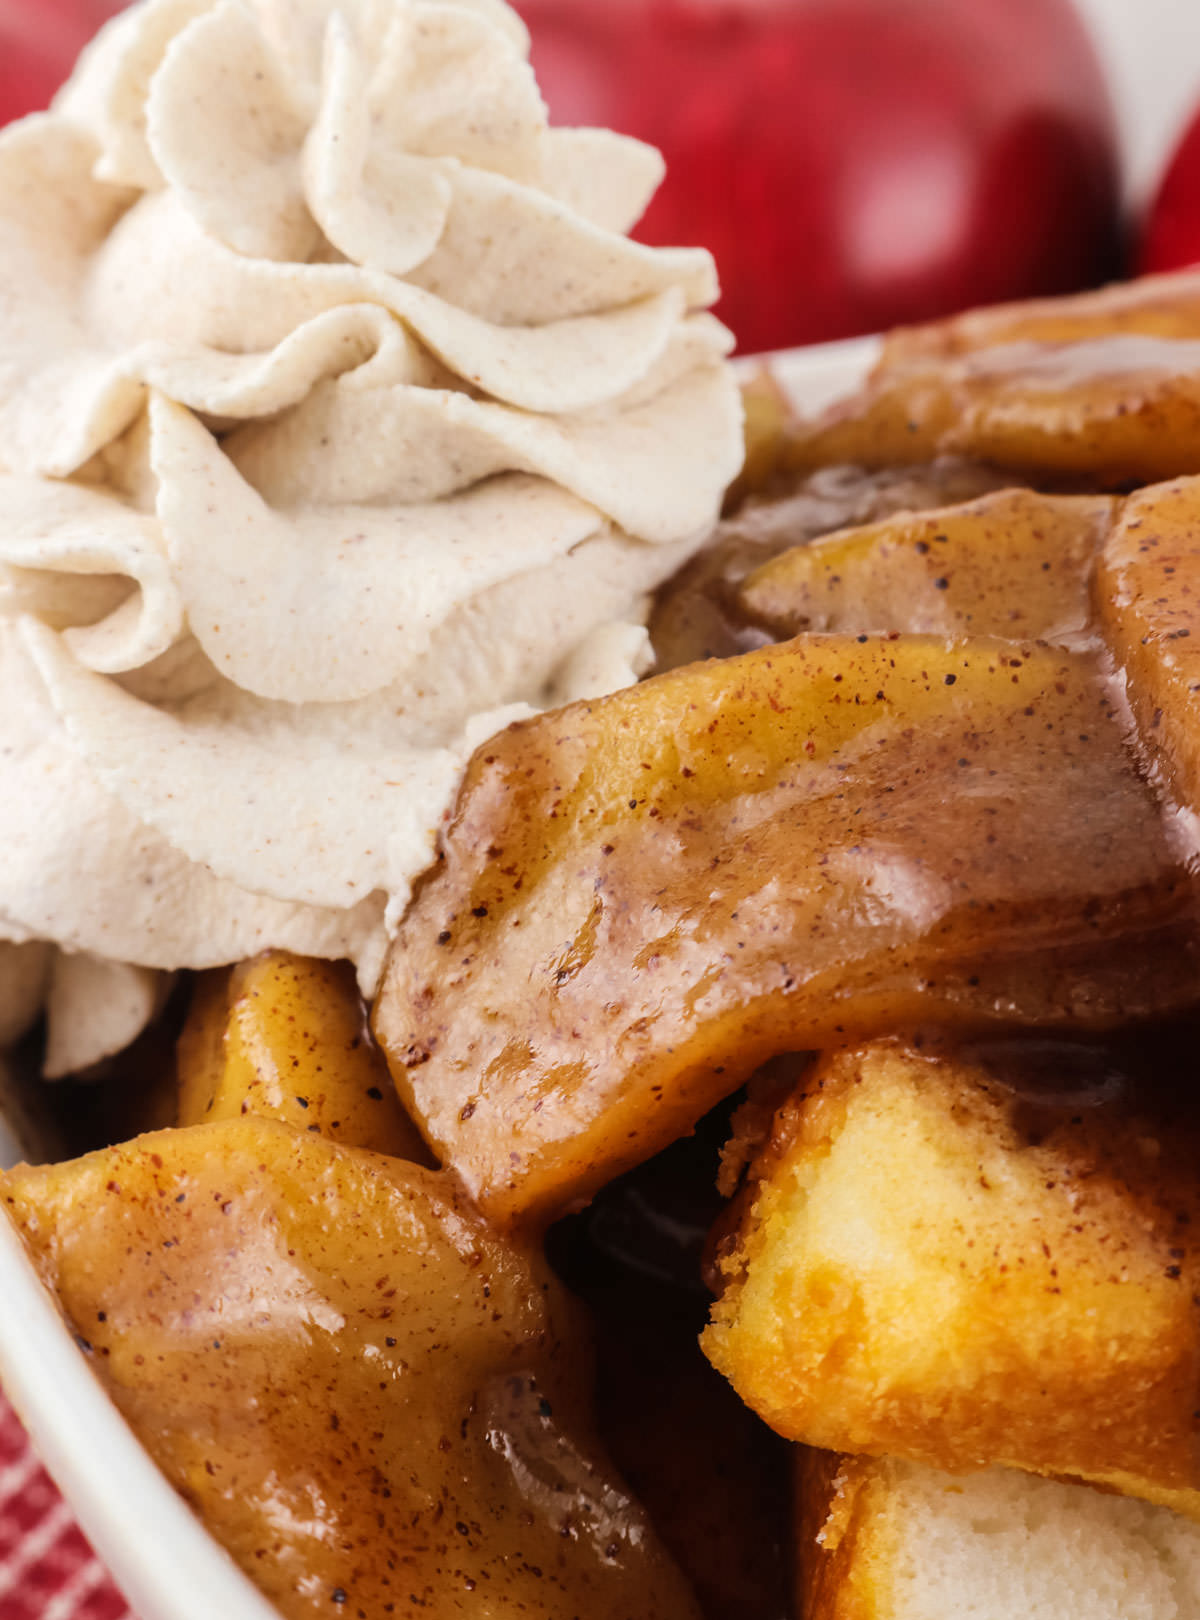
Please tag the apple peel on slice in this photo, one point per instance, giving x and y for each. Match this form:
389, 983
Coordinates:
641, 899
1013, 563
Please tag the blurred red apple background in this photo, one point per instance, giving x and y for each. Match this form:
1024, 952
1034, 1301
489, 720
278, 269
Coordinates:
854, 163
851, 163
39, 40
1172, 234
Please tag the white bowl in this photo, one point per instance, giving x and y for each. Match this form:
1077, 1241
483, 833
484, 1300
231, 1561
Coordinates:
161, 1556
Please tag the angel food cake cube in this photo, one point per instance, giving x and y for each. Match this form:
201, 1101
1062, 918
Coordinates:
972, 1257
889, 1540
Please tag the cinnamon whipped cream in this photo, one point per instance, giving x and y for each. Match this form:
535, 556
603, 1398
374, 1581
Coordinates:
340, 422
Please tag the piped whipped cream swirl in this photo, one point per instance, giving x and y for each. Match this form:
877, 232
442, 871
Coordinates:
340, 422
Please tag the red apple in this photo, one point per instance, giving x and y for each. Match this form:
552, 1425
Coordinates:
1171, 236
39, 41
853, 163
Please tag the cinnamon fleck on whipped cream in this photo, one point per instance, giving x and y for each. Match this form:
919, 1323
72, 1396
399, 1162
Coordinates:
341, 422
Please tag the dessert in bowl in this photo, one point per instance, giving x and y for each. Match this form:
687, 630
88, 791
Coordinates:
358, 462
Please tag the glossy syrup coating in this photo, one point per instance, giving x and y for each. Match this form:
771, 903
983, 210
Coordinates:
286, 1037
967, 1255
1164, 306
1103, 386
1014, 564
700, 614
1147, 594
643, 898
370, 1400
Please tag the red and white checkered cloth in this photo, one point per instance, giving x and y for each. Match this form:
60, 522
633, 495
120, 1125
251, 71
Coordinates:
47, 1570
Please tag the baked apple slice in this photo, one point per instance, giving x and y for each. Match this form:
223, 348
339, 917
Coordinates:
1014, 564
641, 899
698, 613
371, 1400
285, 1037
1147, 592
1104, 386
1162, 306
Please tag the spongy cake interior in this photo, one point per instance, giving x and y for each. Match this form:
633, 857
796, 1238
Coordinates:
913, 1543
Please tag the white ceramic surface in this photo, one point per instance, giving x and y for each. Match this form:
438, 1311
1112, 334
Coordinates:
164, 1561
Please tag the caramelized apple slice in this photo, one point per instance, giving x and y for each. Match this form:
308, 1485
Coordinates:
977, 1256
285, 1037
1011, 564
698, 613
1147, 592
1106, 386
371, 1400
642, 899
1166, 306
